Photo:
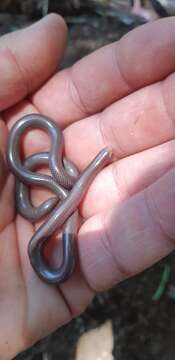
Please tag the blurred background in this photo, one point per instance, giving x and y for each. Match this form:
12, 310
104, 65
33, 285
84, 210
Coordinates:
136, 319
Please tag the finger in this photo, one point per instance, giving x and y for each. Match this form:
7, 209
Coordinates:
143, 56
124, 178
6, 199
137, 122
28, 57
6, 183
131, 237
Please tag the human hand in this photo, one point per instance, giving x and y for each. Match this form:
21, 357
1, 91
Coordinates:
122, 97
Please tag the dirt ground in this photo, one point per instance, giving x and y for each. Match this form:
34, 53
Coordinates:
143, 328
141, 309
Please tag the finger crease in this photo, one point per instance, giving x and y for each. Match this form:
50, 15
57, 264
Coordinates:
154, 213
21, 70
118, 64
75, 95
166, 107
119, 153
122, 187
124, 272
66, 302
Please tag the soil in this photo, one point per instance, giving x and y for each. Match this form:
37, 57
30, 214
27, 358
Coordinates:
144, 329
141, 315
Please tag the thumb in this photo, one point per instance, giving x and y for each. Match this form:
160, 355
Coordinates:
128, 239
29, 57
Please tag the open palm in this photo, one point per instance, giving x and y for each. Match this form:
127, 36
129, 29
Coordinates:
122, 96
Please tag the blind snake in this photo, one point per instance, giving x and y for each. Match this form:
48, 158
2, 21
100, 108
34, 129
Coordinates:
64, 181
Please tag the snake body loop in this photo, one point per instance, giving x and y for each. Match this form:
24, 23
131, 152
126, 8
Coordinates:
65, 182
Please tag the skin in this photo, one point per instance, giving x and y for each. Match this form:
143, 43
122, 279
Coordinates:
61, 178
106, 99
